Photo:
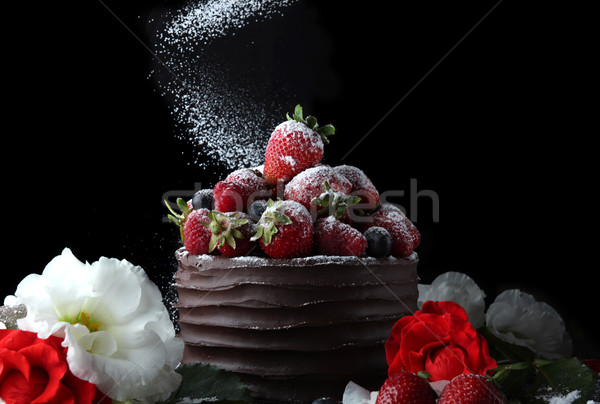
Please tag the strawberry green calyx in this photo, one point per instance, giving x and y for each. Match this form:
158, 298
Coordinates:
178, 219
311, 122
334, 202
270, 219
224, 228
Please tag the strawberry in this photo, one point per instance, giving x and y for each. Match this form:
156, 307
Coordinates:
192, 227
405, 236
294, 146
471, 389
362, 186
310, 184
238, 190
285, 230
333, 237
334, 203
231, 233
406, 388
248, 176
196, 236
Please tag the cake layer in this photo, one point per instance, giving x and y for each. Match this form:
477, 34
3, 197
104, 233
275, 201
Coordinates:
294, 329
341, 362
218, 272
320, 314
257, 296
339, 336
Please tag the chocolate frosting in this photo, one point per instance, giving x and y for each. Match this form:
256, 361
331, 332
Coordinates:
293, 329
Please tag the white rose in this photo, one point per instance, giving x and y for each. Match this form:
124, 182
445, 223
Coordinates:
517, 317
116, 328
458, 288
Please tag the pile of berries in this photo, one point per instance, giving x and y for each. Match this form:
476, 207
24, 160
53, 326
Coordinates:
295, 205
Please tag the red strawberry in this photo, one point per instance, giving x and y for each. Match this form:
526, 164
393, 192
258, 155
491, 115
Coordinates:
191, 223
361, 185
248, 176
231, 233
406, 388
471, 389
196, 236
333, 237
405, 236
285, 230
310, 184
294, 146
238, 190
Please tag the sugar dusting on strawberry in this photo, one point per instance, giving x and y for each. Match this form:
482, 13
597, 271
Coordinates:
309, 184
406, 388
405, 236
311, 207
362, 185
285, 230
471, 389
294, 146
333, 237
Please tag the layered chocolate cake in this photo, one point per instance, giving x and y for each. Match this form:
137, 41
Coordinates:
292, 274
293, 329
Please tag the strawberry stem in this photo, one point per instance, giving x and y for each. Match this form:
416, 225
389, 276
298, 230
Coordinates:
333, 202
311, 122
178, 219
270, 219
224, 229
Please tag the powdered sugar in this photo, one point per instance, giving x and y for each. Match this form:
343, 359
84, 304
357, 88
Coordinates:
355, 175
220, 108
309, 184
296, 129
560, 399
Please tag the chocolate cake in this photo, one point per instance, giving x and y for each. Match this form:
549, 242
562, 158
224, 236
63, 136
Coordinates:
292, 275
293, 329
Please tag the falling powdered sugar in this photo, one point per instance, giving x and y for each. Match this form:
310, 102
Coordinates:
224, 98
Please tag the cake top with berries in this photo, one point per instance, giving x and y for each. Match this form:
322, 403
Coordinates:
294, 206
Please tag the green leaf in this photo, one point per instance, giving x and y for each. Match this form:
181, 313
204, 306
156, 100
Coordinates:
311, 121
562, 377
506, 351
230, 240
513, 378
327, 130
207, 383
298, 113
212, 244
258, 234
182, 204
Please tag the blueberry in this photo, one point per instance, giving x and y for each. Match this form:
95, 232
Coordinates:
203, 199
325, 400
379, 242
256, 209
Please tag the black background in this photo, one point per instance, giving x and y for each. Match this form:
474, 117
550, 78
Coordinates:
484, 103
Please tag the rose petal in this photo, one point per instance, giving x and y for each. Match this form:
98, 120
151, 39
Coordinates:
355, 394
63, 396
16, 389
445, 363
45, 360
13, 361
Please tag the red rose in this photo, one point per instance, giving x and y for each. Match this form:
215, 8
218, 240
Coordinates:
35, 370
440, 340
